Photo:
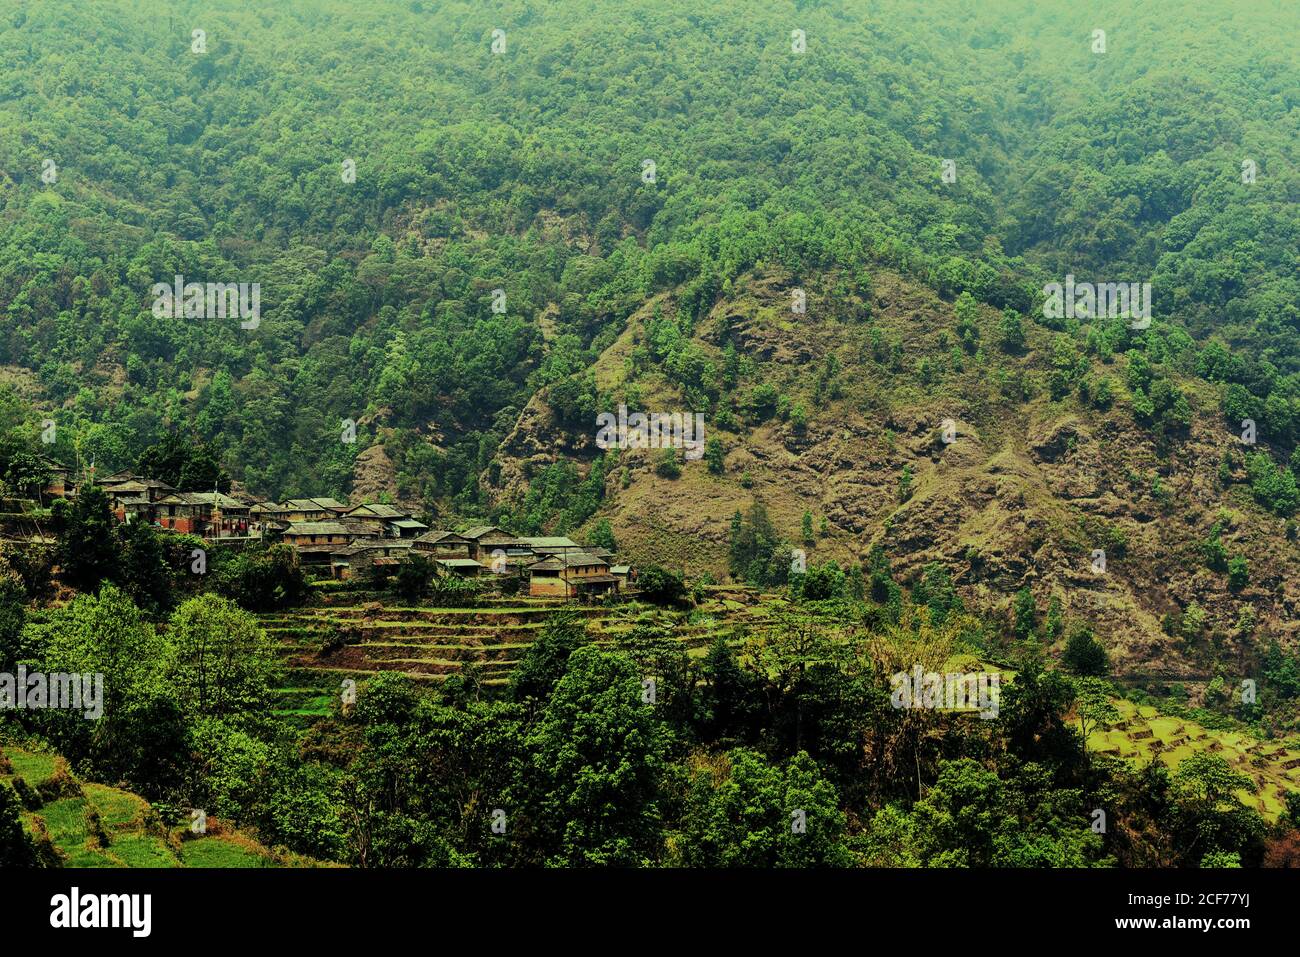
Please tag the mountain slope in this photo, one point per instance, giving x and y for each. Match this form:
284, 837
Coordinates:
1023, 495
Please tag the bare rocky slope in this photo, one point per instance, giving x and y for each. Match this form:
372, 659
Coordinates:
1026, 492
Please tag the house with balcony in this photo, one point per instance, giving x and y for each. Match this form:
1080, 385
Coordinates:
576, 575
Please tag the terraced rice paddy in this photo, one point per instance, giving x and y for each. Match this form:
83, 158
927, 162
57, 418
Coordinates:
135, 838
430, 644
1143, 734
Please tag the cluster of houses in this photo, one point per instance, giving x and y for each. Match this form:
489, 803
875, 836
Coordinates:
340, 540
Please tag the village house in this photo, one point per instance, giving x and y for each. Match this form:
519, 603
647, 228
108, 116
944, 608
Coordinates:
351, 560
484, 539
363, 529
407, 527
136, 498
117, 478
224, 516
442, 544
300, 534
150, 490
58, 485
461, 567
397, 522
345, 541
553, 545
570, 576
310, 510
178, 513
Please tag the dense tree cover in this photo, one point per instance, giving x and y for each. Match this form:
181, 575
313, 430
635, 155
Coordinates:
187, 463
526, 173
377, 295
775, 751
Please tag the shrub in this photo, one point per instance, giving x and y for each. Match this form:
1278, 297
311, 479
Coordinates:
1238, 573
667, 466
1273, 487
661, 586
28, 795
16, 848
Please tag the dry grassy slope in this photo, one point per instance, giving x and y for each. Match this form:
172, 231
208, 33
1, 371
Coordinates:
1022, 496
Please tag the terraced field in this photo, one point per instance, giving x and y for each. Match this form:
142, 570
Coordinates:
354, 635
1143, 734
430, 644
92, 825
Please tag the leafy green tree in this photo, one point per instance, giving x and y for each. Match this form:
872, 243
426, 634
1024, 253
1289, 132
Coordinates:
592, 786
1238, 572
545, 660
1211, 820
661, 586
728, 695
966, 311
905, 484
222, 663
1193, 622
1216, 555
1011, 333
1084, 654
667, 464
23, 473
715, 456
1093, 706
935, 591
1024, 613
106, 633
1103, 395
413, 577
142, 568
764, 816
1273, 487
184, 462
1031, 714
86, 548
602, 535
263, 579
1055, 621
141, 737
14, 646
972, 818
820, 582
668, 675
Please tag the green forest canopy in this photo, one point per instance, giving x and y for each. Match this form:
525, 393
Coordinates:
523, 171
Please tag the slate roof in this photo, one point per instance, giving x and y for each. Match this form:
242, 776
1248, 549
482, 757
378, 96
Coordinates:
408, 523
378, 510
313, 505
554, 541
442, 537
316, 528
459, 562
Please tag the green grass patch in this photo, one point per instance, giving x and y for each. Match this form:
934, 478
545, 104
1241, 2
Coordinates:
216, 851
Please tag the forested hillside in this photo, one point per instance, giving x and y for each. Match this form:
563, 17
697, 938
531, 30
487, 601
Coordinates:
523, 171
827, 227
